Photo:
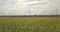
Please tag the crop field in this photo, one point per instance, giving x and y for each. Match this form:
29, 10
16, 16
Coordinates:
30, 24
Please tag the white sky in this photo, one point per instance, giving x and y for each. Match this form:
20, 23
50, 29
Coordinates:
29, 7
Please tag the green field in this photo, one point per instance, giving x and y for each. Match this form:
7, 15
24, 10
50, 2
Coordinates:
29, 24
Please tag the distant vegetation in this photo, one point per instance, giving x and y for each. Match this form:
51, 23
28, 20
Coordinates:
29, 24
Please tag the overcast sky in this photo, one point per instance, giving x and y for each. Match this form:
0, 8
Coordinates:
29, 7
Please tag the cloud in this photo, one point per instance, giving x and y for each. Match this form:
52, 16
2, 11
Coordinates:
29, 7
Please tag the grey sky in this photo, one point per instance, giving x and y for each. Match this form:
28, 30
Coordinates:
29, 7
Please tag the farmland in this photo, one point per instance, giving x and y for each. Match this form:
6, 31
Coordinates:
29, 24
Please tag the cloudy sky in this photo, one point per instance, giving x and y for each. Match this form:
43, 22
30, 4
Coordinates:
29, 7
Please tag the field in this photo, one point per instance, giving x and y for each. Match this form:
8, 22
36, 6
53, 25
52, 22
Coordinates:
29, 24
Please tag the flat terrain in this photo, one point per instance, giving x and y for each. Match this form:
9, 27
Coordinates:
29, 24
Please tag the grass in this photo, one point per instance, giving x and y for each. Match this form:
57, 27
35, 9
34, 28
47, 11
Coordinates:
29, 24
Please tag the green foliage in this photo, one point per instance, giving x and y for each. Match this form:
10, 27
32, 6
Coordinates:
29, 24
